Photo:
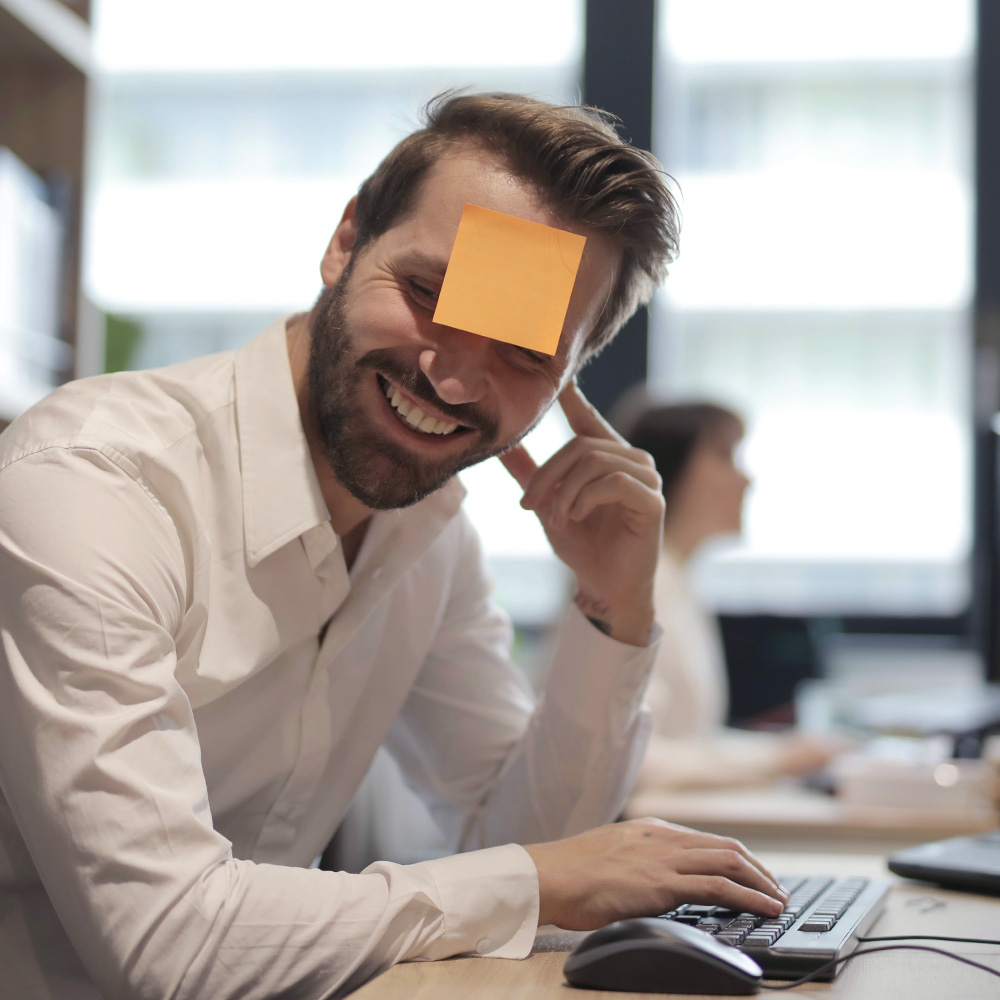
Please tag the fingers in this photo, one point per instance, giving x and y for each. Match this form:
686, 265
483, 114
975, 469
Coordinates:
727, 878
582, 461
717, 890
647, 867
582, 416
685, 836
519, 464
705, 868
575, 502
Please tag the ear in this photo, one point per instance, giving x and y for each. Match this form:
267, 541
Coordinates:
338, 253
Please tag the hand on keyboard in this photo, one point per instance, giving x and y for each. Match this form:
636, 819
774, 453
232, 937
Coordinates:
644, 868
822, 921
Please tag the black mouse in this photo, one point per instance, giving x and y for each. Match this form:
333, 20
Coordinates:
652, 955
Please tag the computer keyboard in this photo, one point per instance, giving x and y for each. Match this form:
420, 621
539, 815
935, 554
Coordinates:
823, 920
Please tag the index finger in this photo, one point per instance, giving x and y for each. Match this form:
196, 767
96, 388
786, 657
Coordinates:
519, 464
583, 416
698, 838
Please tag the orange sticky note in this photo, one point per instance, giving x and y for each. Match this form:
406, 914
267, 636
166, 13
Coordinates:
509, 279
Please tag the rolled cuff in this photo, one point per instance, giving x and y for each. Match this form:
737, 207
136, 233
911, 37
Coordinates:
488, 900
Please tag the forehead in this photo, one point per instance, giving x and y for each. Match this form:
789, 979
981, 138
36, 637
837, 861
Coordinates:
471, 176
726, 433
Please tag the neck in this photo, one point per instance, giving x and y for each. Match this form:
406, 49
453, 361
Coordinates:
683, 540
347, 514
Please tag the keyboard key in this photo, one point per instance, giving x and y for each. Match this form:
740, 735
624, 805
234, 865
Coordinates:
816, 925
757, 940
735, 938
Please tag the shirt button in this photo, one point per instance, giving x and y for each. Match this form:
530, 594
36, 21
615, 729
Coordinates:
483, 946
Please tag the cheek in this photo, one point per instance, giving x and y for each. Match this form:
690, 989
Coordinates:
525, 406
382, 320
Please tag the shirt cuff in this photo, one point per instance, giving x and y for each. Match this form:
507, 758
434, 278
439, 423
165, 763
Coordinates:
488, 901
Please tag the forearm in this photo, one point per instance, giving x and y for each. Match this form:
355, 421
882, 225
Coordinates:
263, 931
155, 905
254, 931
576, 761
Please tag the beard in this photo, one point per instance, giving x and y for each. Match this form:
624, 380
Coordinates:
377, 471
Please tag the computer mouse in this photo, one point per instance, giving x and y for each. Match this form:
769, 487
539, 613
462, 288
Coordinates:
653, 955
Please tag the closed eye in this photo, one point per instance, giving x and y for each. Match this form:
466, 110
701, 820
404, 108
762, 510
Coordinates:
525, 358
535, 357
423, 295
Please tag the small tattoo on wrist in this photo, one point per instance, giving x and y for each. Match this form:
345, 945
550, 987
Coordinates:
599, 625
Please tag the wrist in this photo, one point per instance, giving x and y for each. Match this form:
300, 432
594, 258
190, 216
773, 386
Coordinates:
546, 910
630, 622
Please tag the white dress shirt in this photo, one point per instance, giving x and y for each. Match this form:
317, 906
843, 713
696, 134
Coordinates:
689, 695
177, 744
689, 689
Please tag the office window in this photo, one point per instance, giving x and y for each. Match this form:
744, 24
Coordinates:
227, 138
824, 155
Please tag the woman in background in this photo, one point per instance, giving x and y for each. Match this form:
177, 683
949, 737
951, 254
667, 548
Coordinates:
694, 447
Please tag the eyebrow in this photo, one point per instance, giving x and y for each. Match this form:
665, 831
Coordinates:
422, 261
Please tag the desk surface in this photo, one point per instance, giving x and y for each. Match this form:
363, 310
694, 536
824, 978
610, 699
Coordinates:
786, 816
912, 908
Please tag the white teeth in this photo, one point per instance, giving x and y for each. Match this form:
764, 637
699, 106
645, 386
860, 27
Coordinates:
415, 416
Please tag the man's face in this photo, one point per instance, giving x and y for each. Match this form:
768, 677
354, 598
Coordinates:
402, 403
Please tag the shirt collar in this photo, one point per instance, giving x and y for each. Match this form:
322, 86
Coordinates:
282, 498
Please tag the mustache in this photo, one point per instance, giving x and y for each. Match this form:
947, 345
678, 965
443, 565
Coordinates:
418, 385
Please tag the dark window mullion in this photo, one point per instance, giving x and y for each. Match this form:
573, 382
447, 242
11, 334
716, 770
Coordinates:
618, 77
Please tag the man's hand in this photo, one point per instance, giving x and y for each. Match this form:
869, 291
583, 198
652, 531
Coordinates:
643, 868
600, 504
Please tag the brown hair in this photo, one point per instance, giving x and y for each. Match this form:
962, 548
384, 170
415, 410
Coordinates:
575, 159
670, 433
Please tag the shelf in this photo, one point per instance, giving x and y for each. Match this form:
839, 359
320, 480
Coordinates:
46, 59
41, 32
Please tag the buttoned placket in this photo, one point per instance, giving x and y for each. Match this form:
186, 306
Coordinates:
388, 551
325, 554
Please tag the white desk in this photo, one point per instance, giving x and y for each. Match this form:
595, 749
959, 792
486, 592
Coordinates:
785, 816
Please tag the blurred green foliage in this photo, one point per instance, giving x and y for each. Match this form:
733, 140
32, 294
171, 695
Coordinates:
121, 337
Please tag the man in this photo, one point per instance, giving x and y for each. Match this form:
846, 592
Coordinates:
224, 584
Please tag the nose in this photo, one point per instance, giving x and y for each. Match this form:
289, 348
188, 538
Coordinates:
457, 365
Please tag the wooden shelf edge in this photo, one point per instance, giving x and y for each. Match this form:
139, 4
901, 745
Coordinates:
56, 26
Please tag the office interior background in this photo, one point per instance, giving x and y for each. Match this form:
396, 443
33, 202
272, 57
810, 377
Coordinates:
833, 283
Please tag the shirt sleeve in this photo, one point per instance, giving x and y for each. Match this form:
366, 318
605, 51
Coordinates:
492, 764
100, 769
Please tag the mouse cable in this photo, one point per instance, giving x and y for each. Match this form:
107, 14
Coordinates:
928, 937
826, 966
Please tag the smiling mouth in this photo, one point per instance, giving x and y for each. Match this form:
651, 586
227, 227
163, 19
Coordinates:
413, 416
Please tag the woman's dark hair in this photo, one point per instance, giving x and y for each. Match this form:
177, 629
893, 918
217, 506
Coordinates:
670, 432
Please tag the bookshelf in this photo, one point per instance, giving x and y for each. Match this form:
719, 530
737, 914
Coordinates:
45, 66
